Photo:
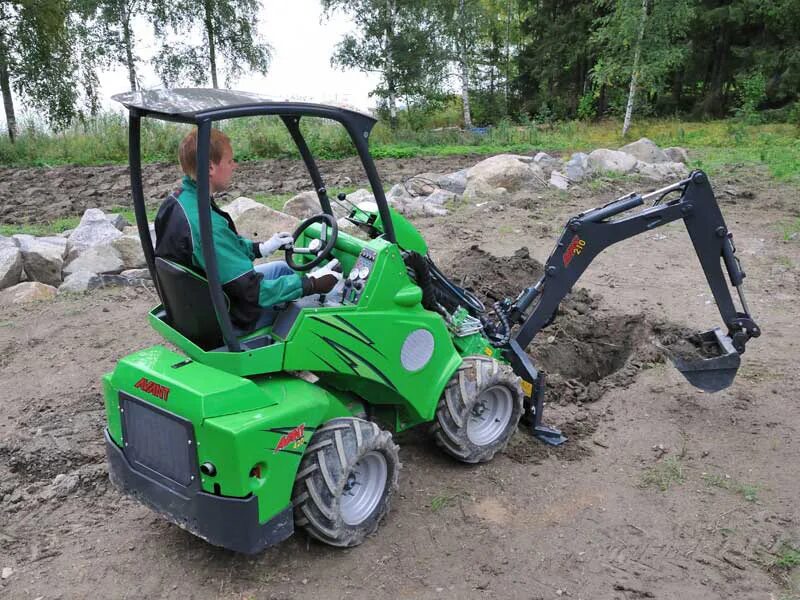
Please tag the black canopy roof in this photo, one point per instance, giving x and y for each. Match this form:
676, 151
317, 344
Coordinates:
196, 104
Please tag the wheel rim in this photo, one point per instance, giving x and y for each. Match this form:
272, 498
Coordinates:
364, 488
490, 415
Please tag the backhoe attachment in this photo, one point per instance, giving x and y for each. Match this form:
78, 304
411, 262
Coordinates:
714, 364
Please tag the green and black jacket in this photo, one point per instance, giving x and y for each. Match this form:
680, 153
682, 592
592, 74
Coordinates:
178, 239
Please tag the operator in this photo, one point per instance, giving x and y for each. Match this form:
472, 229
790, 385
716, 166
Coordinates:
253, 290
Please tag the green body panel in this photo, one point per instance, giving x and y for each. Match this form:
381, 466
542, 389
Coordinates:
238, 422
408, 238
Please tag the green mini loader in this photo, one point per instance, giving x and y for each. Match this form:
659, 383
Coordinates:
240, 439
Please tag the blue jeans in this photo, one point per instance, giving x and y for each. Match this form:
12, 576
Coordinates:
270, 270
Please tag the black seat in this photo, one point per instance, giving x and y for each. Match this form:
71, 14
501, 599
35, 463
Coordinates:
187, 300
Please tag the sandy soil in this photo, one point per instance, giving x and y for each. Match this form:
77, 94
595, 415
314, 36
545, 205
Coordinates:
588, 520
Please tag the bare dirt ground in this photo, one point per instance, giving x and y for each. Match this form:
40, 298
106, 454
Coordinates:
40, 195
661, 492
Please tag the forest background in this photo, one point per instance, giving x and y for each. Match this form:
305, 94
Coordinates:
454, 76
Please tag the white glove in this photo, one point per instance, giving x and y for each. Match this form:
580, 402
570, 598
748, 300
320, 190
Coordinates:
276, 242
325, 278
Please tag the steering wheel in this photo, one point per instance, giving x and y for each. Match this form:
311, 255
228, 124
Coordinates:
320, 248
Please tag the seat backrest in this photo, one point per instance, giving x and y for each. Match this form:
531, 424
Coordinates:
187, 299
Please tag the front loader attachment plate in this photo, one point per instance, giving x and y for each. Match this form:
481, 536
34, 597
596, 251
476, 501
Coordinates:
714, 373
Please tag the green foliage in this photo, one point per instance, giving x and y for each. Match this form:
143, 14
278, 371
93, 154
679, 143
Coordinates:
752, 90
229, 31
748, 491
664, 474
787, 558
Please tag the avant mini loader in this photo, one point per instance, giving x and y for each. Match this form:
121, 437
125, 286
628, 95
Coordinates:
241, 439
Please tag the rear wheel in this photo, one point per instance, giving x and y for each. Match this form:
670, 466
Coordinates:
346, 481
479, 410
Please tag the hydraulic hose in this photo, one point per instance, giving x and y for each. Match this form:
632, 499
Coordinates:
422, 274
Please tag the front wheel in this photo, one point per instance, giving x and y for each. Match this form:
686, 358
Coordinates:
346, 481
479, 410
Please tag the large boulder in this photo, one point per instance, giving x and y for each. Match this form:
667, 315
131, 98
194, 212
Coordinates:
303, 205
134, 231
10, 263
28, 291
503, 173
258, 222
425, 184
96, 259
577, 167
559, 180
603, 160
117, 220
646, 151
79, 282
546, 162
94, 230
43, 257
676, 154
130, 251
662, 171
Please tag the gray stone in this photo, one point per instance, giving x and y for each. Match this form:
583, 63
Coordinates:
117, 220
43, 257
398, 192
645, 150
546, 162
138, 274
79, 282
10, 263
96, 259
130, 250
64, 485
604, 160
559, 180
258, 222
440, 197
93, 230
134, 231
499, 175
662, 171
303, 205
29, 291
239, 206
577, 168
676, 154
455, 182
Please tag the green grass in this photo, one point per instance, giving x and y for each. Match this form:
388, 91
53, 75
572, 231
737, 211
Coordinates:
748, 491
444, 500
714, 145
41, 229
787, 558
664, 474
790, 230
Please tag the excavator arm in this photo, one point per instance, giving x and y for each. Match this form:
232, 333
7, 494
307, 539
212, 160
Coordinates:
588, 234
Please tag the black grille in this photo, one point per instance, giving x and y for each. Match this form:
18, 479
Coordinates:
157, 442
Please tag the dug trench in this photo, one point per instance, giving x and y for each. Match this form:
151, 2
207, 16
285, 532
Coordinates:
584, 352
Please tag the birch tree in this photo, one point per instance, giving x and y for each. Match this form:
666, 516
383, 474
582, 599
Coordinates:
398, 39
230, 41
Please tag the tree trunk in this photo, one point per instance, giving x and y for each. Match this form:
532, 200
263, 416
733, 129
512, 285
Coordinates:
463, 64
212, 54
5, 86
508, 51
125, 18
391, 85
635, 71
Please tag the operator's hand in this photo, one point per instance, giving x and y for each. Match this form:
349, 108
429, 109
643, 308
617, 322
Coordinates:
276, 242
324, 279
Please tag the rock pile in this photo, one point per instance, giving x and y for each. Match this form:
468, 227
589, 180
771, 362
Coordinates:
105, 250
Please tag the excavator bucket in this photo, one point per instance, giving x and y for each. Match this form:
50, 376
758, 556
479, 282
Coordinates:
713, 366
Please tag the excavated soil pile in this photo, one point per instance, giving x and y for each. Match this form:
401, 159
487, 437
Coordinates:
583, 352
685, 344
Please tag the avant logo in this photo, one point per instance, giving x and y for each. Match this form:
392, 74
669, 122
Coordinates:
295, 438
153, 388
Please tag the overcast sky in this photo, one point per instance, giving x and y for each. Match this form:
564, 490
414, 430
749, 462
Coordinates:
302, 43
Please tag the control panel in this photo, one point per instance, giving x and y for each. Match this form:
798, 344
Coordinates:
357, 279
